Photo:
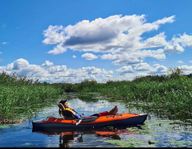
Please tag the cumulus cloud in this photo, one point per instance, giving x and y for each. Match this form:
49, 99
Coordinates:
49, 72
52, 73
184, 40
89, 56
53, 35
160, 69
125, 70
58, 49
141, 69
19, 64
157, 41
129, 58
118, 38
47, 63
186, 69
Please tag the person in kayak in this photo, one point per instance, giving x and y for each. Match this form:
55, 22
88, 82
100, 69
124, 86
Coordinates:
69, 113
66, 111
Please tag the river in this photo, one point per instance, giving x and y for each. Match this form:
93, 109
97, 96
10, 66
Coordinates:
156, 132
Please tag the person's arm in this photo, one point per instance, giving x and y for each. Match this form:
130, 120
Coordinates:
76, 114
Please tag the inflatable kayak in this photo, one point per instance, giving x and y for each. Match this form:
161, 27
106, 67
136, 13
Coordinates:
119, 120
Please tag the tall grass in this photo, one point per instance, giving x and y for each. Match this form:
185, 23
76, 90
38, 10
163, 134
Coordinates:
169, 95
22, 96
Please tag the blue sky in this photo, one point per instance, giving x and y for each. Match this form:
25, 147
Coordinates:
23, 24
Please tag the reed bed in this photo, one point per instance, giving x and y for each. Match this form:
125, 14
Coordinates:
169, 96
20, 97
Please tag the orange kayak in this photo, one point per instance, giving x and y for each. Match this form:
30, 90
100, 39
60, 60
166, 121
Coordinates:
120, 120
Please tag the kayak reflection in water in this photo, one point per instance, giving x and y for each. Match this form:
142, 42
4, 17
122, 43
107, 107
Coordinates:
69, 113
67, 137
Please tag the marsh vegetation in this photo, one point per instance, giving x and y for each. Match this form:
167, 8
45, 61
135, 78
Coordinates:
20, 97
168, 96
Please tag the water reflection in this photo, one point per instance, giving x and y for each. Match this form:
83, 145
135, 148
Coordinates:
68, 137
156, 132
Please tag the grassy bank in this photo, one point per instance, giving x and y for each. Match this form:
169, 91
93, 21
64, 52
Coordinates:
169, 96
20, 97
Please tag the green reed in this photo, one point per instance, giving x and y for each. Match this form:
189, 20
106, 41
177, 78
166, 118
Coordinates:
21, 96
169, 95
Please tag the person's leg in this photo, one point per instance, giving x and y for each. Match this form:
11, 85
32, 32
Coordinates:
105, 113
113, 111
101, 114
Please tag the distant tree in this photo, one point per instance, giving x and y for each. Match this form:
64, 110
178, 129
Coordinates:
110, 82
175, 72
87, 83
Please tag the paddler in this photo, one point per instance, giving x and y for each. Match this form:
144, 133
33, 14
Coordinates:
69, 113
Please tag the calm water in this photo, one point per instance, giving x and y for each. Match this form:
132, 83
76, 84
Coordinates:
156, 132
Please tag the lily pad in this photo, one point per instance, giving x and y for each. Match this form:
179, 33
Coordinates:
131, 142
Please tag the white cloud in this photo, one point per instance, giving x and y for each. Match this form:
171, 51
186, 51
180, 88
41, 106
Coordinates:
186, 69
50, 72
159, 69
133, 57
157, 41
118, 38
108, 56
47, 63
54, 35
125, 70
141, 69
89, 56
101, 34
20, 64
57, 50
184, 40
